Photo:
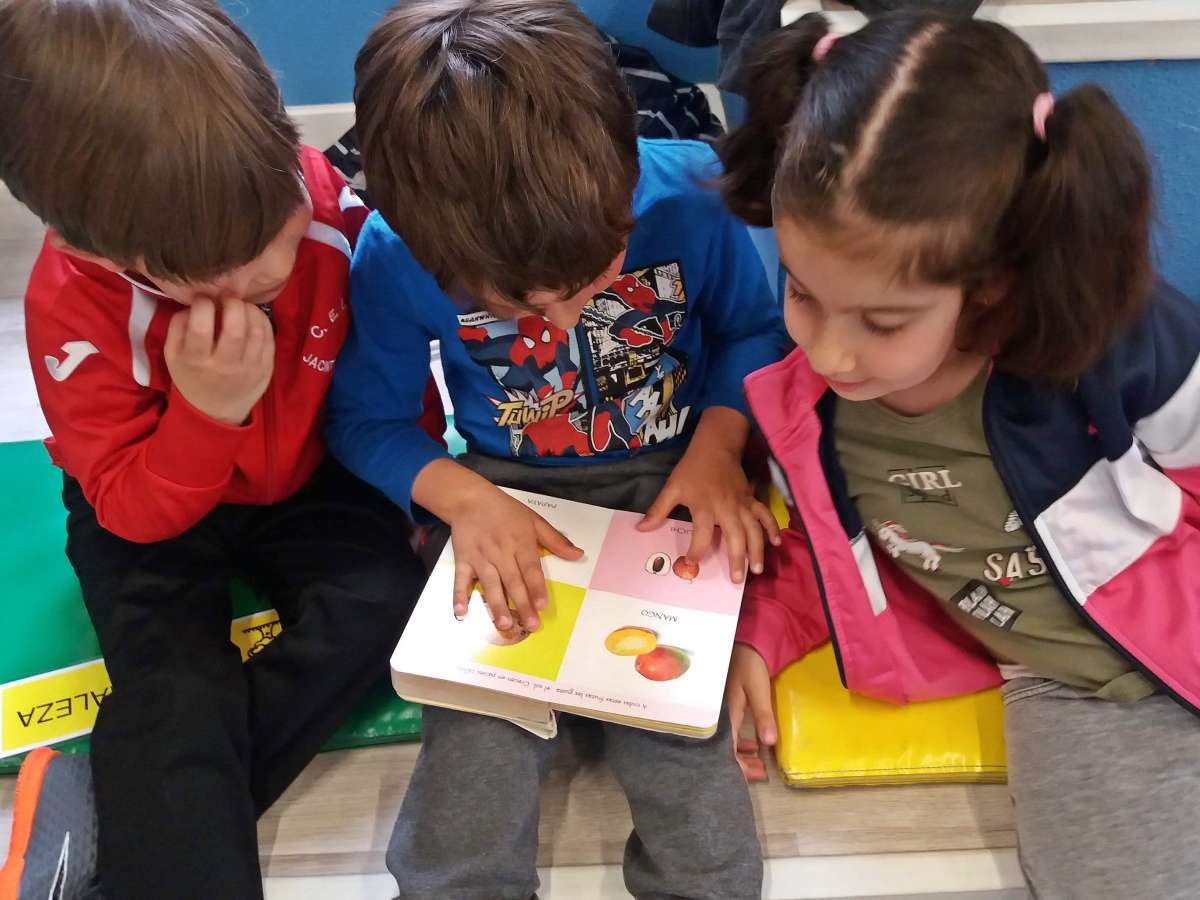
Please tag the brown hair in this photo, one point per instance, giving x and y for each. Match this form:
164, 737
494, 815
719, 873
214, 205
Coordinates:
499, 142
914, 137
145, 130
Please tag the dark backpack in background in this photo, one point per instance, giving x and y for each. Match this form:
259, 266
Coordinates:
737, 25
667, 107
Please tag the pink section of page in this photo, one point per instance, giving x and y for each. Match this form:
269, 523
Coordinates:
646, 565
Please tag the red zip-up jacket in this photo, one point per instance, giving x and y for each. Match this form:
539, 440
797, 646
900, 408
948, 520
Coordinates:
150, 463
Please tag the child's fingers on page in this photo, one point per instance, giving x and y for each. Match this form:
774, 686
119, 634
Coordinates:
535, 580
657, 514
493, 596
755, 545
733, 533
554, 540
464, 577
703, 524
518, 593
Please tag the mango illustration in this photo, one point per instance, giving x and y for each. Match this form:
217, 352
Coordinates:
631, 641
663, 663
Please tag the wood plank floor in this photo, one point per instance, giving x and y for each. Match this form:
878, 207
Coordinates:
336, 819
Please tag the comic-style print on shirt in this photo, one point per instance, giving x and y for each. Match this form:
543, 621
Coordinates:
609, 383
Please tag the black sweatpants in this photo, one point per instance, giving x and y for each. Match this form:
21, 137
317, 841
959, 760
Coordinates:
192, 745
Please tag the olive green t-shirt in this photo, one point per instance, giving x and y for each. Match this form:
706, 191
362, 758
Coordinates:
930, 497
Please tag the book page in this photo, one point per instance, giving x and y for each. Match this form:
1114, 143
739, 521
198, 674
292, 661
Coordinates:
631, 630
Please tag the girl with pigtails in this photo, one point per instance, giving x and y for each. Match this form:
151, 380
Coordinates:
989, 434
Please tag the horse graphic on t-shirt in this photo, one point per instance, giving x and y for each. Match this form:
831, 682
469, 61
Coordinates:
896, 541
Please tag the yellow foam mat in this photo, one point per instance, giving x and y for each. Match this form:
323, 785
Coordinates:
829, 737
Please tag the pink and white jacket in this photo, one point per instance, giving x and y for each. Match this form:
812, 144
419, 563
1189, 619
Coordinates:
1105, 477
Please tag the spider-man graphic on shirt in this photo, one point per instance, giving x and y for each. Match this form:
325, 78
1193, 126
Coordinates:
606, 384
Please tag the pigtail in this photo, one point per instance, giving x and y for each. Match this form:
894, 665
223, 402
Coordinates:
1076, 239
774, 81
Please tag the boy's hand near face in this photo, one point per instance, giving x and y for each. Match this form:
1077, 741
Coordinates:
224, 369
710, 482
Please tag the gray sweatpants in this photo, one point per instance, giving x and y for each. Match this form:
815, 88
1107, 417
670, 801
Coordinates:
468, 828
1107, 795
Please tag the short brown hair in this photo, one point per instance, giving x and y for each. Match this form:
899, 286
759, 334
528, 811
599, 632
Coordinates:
914, 137
498, 141
145, 130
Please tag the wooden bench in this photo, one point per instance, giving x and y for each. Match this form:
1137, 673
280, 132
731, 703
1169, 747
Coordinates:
337, 817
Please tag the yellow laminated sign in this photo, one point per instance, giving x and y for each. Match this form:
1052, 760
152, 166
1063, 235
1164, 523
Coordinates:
829, 737
54, 706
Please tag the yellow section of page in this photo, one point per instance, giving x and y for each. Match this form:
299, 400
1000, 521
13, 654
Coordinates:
541, 653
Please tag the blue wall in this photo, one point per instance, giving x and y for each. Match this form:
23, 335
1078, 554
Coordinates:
1162, 98
312, 49
312, 52
310, 46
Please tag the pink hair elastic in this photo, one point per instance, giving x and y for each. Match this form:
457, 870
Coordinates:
823, 46
1043, 109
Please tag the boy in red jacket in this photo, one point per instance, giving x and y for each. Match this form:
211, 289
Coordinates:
183, 320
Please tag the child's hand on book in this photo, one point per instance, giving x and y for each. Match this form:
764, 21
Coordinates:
221, 367
710, 482
497, 542
749, 688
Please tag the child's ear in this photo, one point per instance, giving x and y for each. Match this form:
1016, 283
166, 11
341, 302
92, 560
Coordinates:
59, 243
984, 312
992, 288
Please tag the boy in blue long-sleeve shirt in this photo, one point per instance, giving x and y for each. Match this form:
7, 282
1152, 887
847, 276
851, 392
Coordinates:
596, 310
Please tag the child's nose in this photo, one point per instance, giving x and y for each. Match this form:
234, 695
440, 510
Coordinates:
828, 356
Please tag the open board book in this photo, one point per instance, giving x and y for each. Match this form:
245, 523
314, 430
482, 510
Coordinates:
633, 632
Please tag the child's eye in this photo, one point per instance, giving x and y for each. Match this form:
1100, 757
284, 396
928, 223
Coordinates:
797, 296
880, 328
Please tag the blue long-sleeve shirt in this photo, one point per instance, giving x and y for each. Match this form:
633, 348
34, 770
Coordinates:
689, 317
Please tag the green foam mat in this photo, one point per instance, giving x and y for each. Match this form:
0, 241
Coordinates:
44, 625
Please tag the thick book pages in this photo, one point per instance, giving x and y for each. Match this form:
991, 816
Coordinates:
634, 633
